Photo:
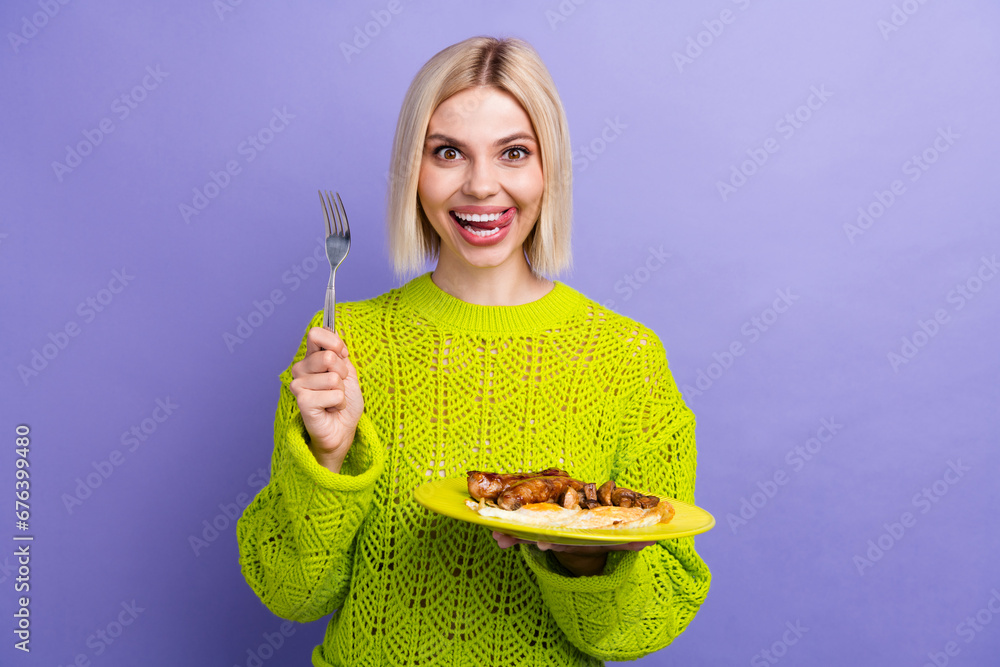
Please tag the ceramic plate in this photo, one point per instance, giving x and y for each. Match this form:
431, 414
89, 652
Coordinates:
448, 496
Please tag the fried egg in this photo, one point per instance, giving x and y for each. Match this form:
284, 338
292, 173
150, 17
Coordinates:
550, 515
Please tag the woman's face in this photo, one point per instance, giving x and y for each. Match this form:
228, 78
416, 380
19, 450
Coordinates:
481, 178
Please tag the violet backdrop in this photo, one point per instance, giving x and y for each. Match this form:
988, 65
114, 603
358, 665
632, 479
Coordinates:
799, 198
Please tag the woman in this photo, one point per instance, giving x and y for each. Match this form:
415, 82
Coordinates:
482, 364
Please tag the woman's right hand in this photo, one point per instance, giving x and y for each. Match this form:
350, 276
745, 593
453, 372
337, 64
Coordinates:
325, 386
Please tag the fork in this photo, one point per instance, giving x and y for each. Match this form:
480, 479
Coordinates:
338, 244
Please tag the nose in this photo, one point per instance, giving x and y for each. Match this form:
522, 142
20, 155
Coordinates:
481, 180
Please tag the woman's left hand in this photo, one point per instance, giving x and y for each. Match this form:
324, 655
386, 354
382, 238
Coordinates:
583, 561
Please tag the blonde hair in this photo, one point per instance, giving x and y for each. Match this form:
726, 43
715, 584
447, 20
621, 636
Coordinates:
510, 65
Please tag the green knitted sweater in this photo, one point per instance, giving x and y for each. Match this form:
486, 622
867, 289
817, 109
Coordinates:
448, 387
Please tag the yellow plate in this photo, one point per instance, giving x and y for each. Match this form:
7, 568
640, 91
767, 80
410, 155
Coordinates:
448, 496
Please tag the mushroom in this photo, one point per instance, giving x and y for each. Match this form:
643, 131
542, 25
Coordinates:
570, 498
648, 502
604, 493
623, 497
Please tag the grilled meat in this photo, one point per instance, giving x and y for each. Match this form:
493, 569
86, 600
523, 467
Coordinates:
514, 490
533, 490
489, 485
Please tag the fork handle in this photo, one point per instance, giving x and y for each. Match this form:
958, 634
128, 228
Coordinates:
329, 315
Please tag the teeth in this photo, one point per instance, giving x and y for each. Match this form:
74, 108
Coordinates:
475, 217
482, 232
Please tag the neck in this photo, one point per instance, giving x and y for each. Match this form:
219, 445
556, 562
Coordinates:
510, 284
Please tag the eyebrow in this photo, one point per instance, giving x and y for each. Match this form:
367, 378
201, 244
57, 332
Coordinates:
518, 136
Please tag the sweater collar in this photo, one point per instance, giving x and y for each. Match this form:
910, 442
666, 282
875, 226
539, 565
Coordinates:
435, 304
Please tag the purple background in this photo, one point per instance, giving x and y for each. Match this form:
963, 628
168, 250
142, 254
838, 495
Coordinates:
654, 136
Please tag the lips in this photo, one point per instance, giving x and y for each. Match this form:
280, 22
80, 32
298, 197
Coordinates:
483, 233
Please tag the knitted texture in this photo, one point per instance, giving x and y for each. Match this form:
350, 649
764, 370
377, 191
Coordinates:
448, 387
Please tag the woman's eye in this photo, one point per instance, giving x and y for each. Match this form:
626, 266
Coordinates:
516, 153
447, 153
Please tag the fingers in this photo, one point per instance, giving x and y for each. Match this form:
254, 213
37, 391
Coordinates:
323, 380
315, 390
316, 401
570, 549
632, 546
505, 541
320, 359
319, 381
593, 550
319, 338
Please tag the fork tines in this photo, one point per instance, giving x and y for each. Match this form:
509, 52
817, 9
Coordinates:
333, 211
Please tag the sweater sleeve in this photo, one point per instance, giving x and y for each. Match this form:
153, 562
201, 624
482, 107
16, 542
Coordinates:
643, 600
296, 538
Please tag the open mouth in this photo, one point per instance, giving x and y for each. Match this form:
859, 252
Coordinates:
483, 225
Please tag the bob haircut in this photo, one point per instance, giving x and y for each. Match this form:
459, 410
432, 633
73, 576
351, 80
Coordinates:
513, 66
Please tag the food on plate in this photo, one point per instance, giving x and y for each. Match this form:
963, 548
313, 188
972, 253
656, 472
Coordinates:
551, 498
488, 485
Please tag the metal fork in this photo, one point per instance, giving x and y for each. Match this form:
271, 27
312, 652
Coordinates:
338, 244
